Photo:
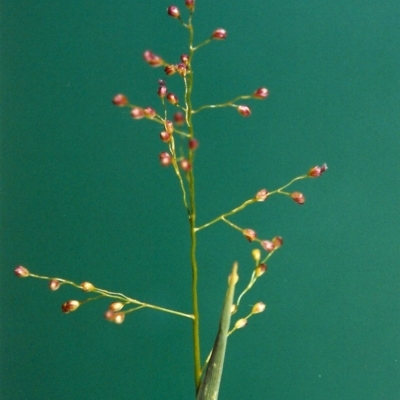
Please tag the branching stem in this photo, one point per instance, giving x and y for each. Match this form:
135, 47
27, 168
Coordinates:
226, 104
222, 216
114, 295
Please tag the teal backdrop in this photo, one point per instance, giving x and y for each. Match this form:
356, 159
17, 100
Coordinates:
83, 197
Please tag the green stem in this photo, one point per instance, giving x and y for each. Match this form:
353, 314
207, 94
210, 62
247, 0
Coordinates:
248, 287
280, 190
113, 295
192, 214
202, 44
230, 103
221, 217
248, 202
177, 172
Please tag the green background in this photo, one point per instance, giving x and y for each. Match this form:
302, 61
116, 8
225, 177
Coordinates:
83, 197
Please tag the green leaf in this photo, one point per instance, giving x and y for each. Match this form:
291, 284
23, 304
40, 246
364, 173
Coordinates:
209, 386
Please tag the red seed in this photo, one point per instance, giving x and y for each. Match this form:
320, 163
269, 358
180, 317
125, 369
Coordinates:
70, 306
261, 195
258, 308
87, 286
244, 111
116, 306
185, 59
149, 112
173, 11
261, 93
277, 241
249, 234
185, 165
241, 323
170, 69
165, 158
21, 272
219, 34
169, 126
153, 59
120, 100
179, 118
189, 4
316, 171
172, 98
298, 197
119, 318
267, 245
193, 144
165, 136
260, 270
181, 68
54, 284
162, 91
137, 113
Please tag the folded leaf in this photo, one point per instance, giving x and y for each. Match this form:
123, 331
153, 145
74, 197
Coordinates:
209, 386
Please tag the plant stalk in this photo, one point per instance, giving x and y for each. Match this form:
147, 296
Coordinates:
192, 216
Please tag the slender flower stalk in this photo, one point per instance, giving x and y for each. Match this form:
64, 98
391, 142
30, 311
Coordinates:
230, 103
253, 200
113, 295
